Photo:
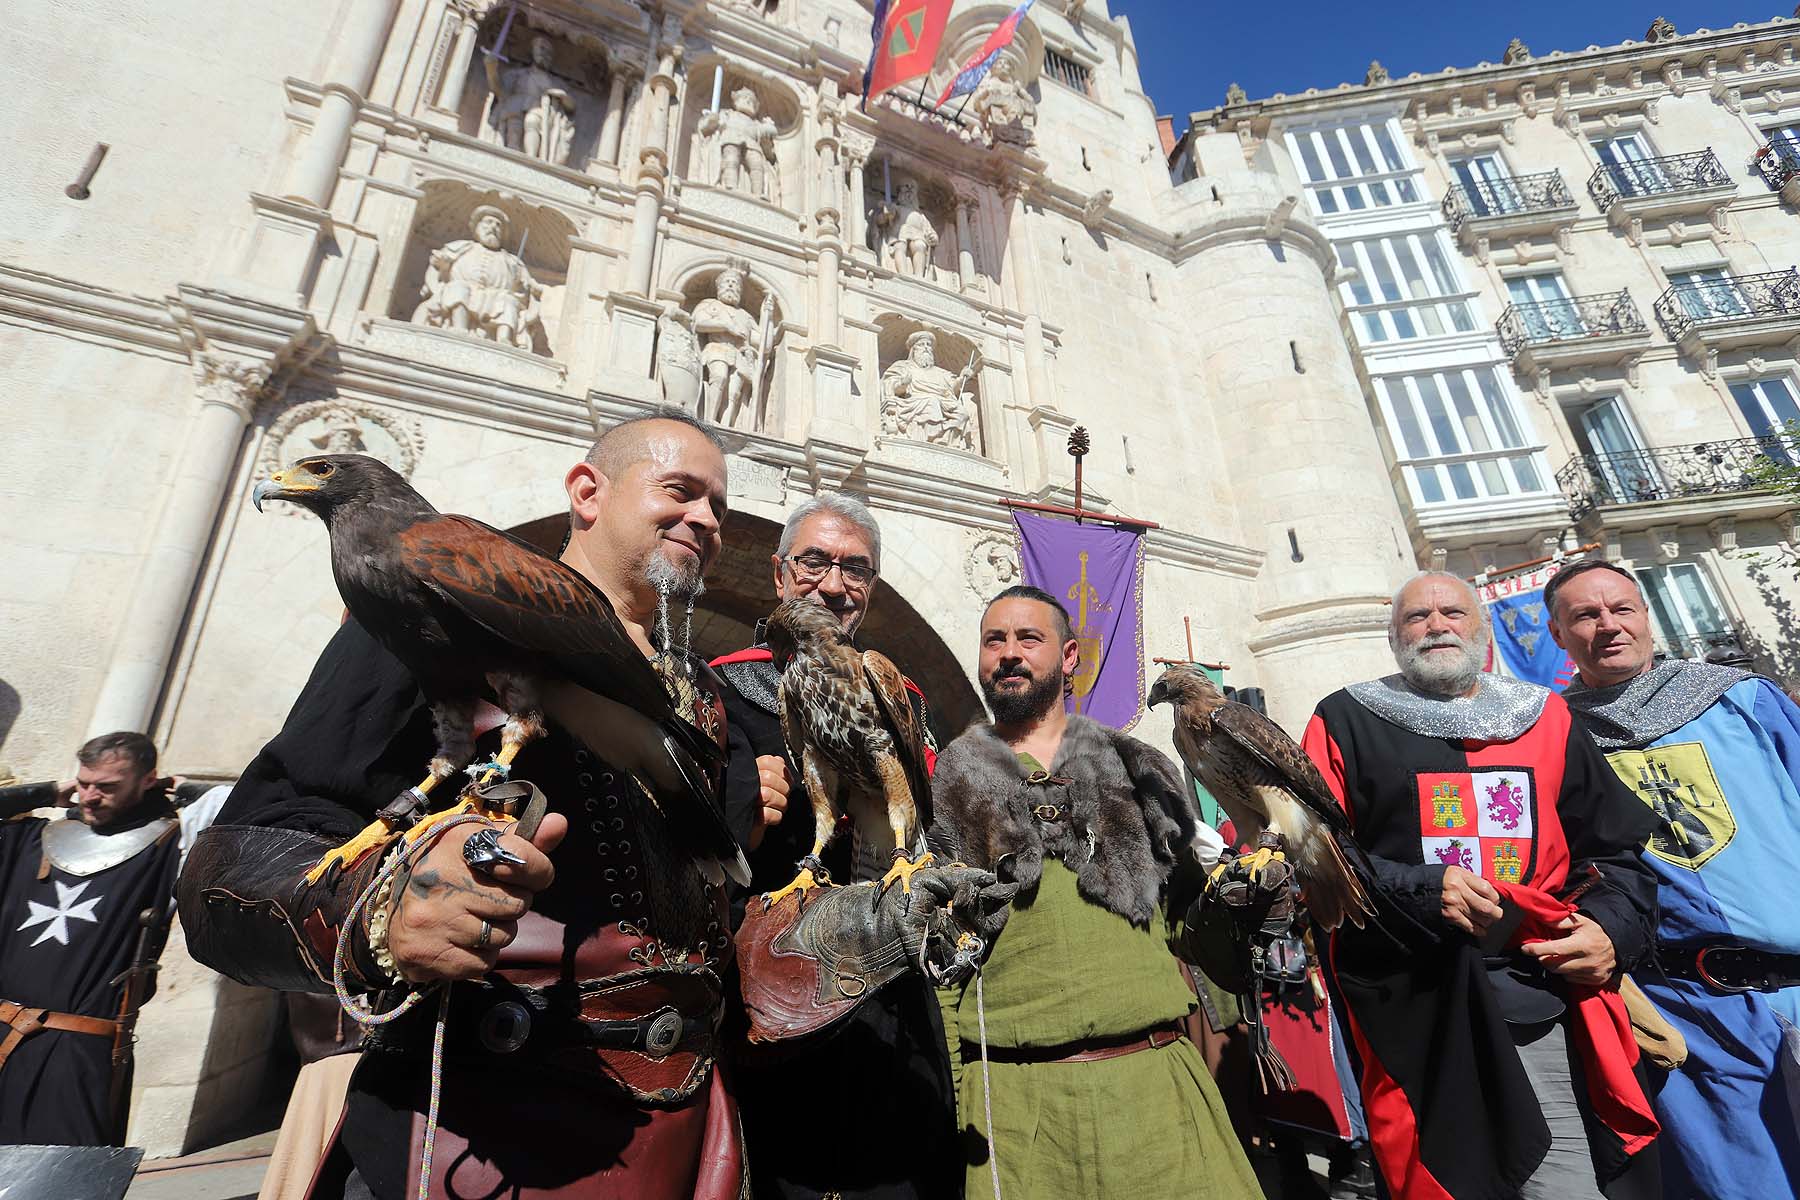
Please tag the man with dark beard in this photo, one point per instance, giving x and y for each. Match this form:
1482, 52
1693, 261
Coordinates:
1095, 1089
1496, 1059
898, 1142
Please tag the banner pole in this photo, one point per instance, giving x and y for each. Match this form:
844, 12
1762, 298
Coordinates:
1078, 448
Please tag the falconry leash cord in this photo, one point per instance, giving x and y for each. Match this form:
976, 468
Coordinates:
360, 1010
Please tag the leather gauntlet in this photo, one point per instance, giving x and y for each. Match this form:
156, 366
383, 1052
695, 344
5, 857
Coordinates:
1236, 909
249, 912
804, 967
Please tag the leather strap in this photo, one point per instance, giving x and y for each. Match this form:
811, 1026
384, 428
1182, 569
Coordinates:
24, 1022
1095, 1050
1727, 970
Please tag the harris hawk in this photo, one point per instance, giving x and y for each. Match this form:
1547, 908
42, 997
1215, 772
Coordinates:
851, 730
475, 613
1264, 781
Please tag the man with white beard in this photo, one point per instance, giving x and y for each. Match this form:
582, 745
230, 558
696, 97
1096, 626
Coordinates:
1495, 1056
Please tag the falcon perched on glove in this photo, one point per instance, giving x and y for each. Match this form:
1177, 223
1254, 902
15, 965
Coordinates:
473, 612
1264, 781
849, 726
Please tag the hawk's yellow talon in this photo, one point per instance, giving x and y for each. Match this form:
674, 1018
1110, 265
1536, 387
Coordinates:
903, 869
803, 883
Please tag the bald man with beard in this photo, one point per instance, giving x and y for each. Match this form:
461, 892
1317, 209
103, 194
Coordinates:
1495, 1059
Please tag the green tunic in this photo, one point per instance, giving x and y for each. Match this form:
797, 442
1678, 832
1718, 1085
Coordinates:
1136, 1127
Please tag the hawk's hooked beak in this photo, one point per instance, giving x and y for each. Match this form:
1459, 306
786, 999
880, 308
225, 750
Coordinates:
1159, 692
282, 485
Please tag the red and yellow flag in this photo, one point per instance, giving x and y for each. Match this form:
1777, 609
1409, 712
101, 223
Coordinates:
907, 45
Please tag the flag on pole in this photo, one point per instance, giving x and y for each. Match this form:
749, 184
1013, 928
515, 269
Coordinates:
982, 61
906, 43
1097, 571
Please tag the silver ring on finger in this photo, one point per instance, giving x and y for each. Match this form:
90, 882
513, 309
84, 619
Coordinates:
485, 936
483, 851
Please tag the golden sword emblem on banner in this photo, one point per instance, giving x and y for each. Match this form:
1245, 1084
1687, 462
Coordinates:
1089, 644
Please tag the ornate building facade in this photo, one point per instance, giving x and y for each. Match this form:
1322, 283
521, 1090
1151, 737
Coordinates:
1570, 284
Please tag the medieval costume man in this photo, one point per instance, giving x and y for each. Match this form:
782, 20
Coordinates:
1075, 1041
899, 1141
1714, 753
589, 966
84, 910
1496, 1058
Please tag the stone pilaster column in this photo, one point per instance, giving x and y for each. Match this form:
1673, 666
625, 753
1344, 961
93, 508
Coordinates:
1022, 266
358, 53
228, 390
828, 218
856, 223
965, 242
456, 74
653, 156
614, 121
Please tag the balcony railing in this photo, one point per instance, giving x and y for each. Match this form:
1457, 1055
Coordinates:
1740, 297
1778, 162
1516, 196
1669, 175
1673, 473
1702, 643
1547, 321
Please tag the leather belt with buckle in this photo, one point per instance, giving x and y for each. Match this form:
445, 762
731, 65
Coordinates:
1729, 969
505, 1021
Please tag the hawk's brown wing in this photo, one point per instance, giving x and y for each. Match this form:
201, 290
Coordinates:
1265, 741
542, 610
889, 689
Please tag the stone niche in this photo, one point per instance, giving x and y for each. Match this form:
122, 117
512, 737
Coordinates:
929, 386
461, 292
909, 222
541, 91
749, 147
719, 347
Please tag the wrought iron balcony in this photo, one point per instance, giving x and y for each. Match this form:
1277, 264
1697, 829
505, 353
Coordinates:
1520, 195
1778, 163
1672, 473
1669, 175
1703, 643
1548, 321
1686, 306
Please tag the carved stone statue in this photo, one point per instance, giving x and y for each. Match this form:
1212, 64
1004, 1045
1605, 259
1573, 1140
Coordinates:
479, 288
1516, 52
740, 144
1235, 95
532, 110
907, 235
1661, 30
734, 349
1377, 74
678, 359
1004, 107
919, 399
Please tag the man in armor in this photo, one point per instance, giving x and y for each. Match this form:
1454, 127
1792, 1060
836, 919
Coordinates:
477, 286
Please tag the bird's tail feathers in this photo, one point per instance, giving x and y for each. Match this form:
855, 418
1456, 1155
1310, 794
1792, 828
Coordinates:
1338, 896
718, 839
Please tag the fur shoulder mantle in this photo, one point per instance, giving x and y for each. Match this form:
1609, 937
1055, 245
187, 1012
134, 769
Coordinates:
1118, 814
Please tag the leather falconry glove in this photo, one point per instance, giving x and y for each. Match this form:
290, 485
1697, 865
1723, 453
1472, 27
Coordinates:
805, 967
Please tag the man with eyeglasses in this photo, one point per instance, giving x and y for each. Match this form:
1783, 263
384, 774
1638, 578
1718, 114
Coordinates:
897, 1141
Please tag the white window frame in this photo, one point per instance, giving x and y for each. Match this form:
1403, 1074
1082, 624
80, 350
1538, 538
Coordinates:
1380, 317
1508, 197
1622, 487
1689, 639
1371, 181
1498, 472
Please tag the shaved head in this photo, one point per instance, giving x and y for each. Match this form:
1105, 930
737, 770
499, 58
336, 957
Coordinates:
628, 443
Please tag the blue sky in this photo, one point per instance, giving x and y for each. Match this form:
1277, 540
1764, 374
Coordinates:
1191, 49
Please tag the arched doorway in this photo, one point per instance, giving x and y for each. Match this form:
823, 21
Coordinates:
738, 596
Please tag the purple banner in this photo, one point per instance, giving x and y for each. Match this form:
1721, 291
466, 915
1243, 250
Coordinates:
1097, 571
